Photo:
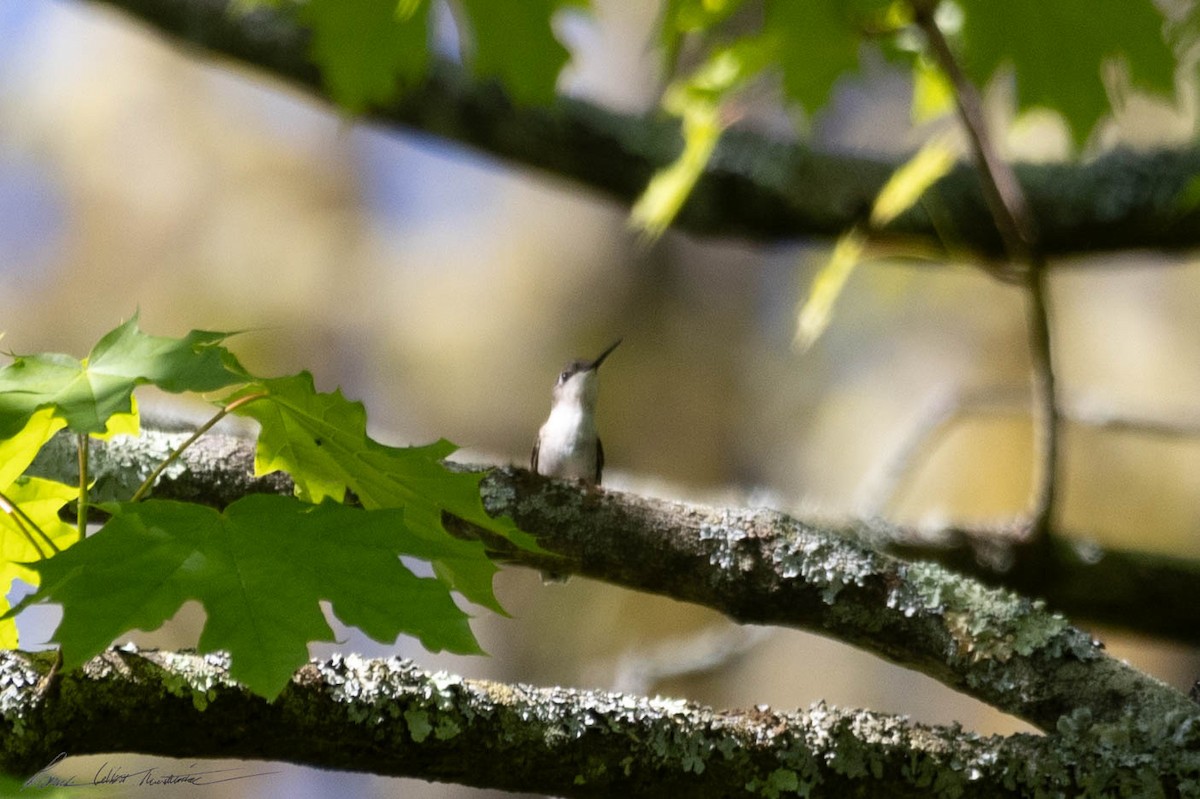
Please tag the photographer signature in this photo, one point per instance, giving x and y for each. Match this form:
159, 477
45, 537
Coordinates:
113, 774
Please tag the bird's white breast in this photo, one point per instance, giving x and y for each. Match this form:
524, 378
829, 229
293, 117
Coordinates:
567, 444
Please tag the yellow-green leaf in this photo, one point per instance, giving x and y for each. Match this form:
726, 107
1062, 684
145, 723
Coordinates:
912, 179
817, 309
669, 188
41, 501
933, 94
17, 452
38, 500
697, 100
122, 424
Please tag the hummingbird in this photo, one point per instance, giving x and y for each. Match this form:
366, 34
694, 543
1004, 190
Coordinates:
567, 445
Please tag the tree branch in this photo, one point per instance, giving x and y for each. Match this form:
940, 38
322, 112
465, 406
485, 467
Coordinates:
755, 187
391, 718
763, 567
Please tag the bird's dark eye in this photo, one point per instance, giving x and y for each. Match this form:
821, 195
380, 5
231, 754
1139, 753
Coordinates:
562, 378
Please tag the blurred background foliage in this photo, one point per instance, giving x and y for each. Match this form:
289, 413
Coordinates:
445, 289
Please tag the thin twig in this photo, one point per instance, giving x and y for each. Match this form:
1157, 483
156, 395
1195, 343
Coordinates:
1046, 416
895, 473
1098, 419
887, 486
1010, 212
148, 483
704, 652
82, 515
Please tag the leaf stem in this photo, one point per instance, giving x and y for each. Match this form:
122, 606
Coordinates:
81, 517
144, 489
26, 525
1010, 212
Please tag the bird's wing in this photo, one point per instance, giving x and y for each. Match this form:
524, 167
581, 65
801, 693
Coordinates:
599, 461
533, 456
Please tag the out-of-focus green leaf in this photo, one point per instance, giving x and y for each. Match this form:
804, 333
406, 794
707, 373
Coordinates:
683, 17
933, 94
87, 393
514, 42
911, 179
407, 9
260, 569
902, 190
1189, 198
246, 6
692, 16
368, 49
817, 309
819, 42
668, 190
697, 100
1057, 50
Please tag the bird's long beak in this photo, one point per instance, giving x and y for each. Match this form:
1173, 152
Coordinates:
596, 363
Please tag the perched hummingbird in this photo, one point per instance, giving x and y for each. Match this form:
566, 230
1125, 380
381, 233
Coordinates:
567, 446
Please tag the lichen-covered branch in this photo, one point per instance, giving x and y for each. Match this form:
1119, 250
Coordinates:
764, 567
391, 718
755, 187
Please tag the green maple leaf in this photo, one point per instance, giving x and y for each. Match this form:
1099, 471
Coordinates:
683, 17
260, 568
368, 49
512, 40
818, 42
1058, 49
321, 440
697, 99
87, 393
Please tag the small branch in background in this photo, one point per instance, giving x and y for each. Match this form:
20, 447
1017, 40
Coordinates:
148, 484
707, 651
1101, 419
1047, 425
887, 487
896, 471
1010, 212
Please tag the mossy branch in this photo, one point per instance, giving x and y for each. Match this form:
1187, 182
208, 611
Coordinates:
389, 717
755, 187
